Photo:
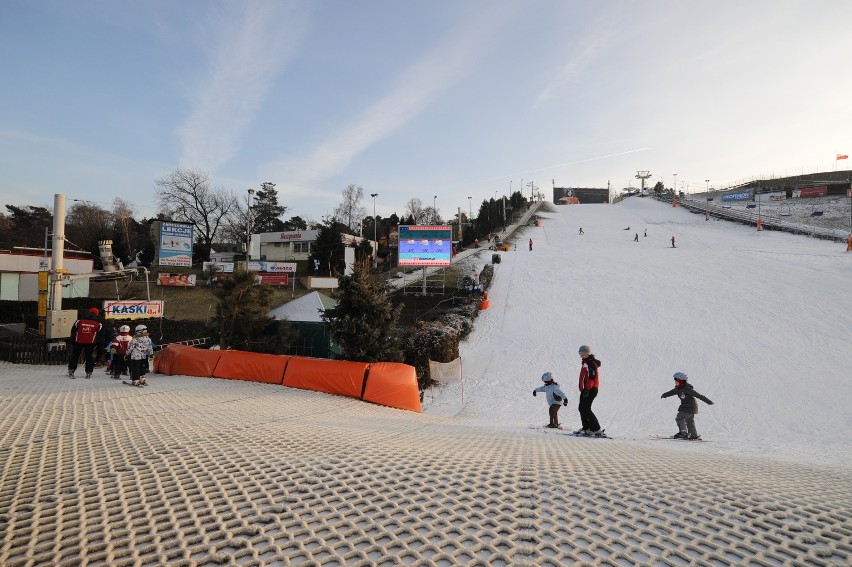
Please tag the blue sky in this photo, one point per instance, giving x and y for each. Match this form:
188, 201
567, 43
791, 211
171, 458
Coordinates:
453, 99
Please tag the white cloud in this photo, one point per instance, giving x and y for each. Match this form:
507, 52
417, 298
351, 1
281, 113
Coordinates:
251, 48
413, 92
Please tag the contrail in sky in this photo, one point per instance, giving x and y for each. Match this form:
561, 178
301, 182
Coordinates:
554, 166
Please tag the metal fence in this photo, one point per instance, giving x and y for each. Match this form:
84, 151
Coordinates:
32, 350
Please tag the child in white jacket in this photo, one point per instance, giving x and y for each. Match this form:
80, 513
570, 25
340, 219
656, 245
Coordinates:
554, 396
138, 351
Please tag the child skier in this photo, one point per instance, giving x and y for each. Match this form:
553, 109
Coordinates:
589, 382
554, 396
118, 352
138, 351
688, 407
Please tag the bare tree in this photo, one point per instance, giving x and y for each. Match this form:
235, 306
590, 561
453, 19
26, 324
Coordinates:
414, 209
185, 196
350, 212
122, 212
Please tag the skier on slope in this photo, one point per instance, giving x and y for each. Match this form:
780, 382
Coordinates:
589, 382
554, 396
688, 407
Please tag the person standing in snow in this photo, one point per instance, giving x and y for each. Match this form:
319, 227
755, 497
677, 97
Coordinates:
688, 407
138, 351
581, 230
673, 241
554, 396
589, 382
84, 338
530, 244
118, 350
636, 237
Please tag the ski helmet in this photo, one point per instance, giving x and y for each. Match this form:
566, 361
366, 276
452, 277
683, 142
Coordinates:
680, 376
547, 377
94, 311
124, 329
141, 328
585, 349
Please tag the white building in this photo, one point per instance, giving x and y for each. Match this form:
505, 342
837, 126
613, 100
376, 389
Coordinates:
289, 246
19, 276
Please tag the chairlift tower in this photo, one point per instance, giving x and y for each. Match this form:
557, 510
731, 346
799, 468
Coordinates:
642, 176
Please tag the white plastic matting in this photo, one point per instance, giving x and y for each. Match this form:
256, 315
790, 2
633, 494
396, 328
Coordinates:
192, 471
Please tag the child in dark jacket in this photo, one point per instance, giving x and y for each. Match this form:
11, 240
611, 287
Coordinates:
554, 396
590, 379
688, 407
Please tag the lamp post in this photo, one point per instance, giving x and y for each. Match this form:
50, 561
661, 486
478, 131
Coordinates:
434, 210
675, 183
248, 226
707, 199
375, 239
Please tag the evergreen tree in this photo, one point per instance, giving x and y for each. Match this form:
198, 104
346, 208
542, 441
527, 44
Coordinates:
266, 212
241, 319
364, 321
26, 226
328, 248
295, 223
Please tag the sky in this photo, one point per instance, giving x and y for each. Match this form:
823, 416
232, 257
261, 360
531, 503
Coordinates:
448, 102
761, 323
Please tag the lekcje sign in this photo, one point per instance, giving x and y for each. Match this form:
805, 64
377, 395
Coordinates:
133, 309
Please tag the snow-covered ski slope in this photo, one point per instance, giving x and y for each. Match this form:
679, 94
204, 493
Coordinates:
760, 321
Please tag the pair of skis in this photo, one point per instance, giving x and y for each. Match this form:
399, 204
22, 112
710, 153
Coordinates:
561, 431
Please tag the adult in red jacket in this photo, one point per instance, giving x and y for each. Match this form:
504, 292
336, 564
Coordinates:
84, 338
589, 382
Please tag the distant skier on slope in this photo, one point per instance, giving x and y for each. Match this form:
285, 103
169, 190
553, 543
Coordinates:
589, 382
673, 242
530, 244
688, 407
554, 396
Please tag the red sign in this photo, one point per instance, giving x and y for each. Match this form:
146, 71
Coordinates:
274, 279
815, 191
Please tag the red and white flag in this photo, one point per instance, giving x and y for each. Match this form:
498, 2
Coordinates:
842, 156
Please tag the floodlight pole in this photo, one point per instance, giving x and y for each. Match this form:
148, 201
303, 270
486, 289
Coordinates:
375, 239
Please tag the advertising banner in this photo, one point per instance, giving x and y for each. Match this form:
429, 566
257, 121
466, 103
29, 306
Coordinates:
738, 196
133, 309
425, 245
280, 267
274, 279
814, 192
221, 267
176, 280
176, 240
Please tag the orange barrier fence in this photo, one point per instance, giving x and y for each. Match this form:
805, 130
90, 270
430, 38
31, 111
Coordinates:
390, 384
251, 366
338, 377
386, 383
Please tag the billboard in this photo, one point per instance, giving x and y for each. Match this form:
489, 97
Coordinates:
133, 309
176, 280
425, 245
738, 196
814, 192
176, 240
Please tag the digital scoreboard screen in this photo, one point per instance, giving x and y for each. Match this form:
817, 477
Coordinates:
425, 245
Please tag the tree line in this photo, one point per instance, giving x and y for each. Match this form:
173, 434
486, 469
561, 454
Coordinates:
220, 217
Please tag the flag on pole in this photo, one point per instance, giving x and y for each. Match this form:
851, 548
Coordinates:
446, 372
842, 156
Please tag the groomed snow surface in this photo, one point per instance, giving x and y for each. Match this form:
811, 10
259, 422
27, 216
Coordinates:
193, 471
